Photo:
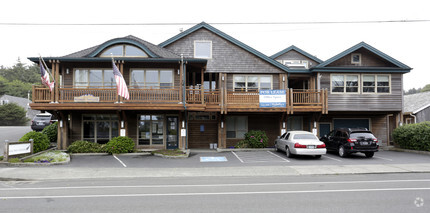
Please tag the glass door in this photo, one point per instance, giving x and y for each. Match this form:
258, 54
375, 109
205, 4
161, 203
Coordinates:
172, 132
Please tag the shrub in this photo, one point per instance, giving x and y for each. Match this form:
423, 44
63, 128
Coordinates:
413, 136
51, 131
40, 141
254, 139
120, 144
86, 147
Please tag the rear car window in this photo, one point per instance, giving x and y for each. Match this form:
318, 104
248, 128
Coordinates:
357, 135
42, 117
305, 136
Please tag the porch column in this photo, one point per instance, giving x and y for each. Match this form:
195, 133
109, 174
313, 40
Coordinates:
202, 89
63, 130
222, 132
57, 81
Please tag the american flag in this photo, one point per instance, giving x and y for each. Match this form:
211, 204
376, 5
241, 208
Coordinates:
120, 83
45, 77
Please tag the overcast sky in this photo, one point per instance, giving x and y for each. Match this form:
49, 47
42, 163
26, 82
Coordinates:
407, 42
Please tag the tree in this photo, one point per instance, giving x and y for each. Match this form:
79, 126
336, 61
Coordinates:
426, 88
17, 88
12, 115
21, 72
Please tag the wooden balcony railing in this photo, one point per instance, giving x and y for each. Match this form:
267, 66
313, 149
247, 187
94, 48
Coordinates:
297, 100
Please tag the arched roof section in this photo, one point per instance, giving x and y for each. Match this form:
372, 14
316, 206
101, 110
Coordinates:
118, 41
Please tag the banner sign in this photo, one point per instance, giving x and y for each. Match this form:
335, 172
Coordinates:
273, 98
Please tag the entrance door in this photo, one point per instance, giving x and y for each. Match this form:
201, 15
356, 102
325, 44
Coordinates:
172, 133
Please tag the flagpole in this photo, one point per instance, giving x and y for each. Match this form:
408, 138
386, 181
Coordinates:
47, 68
117, 94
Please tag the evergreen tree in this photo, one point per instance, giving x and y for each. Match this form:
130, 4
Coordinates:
12, 115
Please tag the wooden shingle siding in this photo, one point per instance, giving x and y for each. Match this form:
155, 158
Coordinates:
226, 57
365, 102
294, 55
368, 59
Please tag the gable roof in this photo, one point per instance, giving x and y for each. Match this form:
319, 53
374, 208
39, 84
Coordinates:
414, 103
292, 47
226, 37
400, 66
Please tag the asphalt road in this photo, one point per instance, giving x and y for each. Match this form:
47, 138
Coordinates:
339, 193
11, 133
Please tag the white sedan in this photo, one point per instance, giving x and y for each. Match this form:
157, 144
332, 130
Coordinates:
300, 143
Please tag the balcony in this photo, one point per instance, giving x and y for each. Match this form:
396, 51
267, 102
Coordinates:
171, 99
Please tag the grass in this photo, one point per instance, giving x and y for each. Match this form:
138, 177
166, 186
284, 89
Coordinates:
48, 157
170, 152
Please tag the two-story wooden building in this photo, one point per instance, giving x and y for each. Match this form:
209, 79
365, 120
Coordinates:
203, 86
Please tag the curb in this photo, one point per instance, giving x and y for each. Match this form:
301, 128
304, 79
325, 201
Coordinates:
245, 150
407, 150
36, 164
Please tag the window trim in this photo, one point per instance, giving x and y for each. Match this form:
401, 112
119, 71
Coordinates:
235, 130
246, 81
352, 58
151, 129
376, 85
144, 77
124, 53
88, 78
360, 83
211, 48
344, 82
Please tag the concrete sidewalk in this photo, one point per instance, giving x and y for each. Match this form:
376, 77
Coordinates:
59, 173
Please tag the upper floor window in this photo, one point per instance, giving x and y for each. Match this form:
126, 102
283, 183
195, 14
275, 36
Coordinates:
356, 58
202, 49
344, 83
94, 78
123, 50
296, 63
151, 78
252, 82
376, 83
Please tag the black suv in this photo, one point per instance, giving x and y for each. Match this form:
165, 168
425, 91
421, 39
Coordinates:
351, 140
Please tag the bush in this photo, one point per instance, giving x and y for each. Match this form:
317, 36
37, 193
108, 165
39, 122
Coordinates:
40, 141
86, 147
51, 131
120, 144
254, 139
413, 136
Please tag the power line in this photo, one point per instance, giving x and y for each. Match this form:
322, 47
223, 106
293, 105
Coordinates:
214, 23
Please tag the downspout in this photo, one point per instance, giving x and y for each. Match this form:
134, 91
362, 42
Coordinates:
415, 117
184, 99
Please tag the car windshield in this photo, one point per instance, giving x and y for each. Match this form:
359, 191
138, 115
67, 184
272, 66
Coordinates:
361, 135
305, 136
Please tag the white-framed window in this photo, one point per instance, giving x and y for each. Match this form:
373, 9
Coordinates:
296, 63
99, 128
93, 78
123, 50
202, 49
252, 82
151, 78
345, 83
376, 83
356, 58
237, 126
3, 102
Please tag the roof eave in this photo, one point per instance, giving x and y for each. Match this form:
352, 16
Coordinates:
108, 59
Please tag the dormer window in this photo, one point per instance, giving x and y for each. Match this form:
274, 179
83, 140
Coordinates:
124, 50
356, 58
202, 49
300, 64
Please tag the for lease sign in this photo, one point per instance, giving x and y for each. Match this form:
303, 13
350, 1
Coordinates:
273, 98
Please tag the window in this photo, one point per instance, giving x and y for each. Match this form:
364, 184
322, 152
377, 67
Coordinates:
100, 128
94, 78
123, 50
202, 49
252, 83
236, 126
344, 83
376, 83
356, 58
3, 102
151, 78
297, 63
151, 130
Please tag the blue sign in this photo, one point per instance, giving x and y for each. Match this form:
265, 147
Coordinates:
273, 98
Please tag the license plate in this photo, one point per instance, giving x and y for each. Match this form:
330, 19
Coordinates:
311, 147
39, 123
364, 143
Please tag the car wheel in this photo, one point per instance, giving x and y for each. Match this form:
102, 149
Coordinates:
317, 156
276, 148
341, 151
287, 152
369, 154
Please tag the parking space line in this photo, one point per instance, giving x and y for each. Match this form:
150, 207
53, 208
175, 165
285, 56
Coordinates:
237, 156
119, 161
333, 158
278, 156
383, 158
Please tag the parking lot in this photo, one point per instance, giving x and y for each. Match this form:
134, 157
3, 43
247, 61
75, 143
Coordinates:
199, 159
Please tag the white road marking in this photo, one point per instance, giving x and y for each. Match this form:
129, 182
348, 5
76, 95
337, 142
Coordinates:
237, 156
214, 193
278, 156
332, 158
119, 161
217, 185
